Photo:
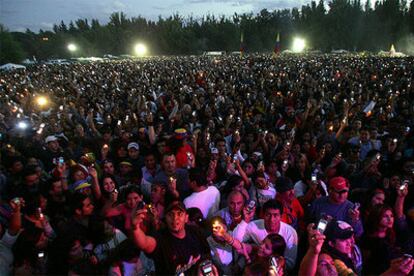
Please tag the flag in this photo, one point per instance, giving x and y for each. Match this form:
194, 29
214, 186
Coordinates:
277, 45
242, 46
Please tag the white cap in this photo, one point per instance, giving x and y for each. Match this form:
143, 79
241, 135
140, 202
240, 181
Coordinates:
133, 145
51, 138
214, 150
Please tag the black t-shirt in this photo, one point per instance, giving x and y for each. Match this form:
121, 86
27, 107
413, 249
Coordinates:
171, 252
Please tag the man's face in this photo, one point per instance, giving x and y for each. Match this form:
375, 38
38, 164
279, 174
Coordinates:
109, 168
168, 163
272, 220
124, 169
338, 197
32, 179
221, 146
236, 203
53, 146
261, 183
288, 196
364, 136
176, 220
344, 246
133, 153
57, 188
149, 161
157, 193
87, 207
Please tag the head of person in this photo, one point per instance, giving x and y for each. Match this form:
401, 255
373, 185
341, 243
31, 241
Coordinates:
235, 201
381, 219
55, 187
52, 143
249, 167
364, 135
158, 191
260, 181
272, 211
169, 163
273, 245
221, 146
150, 161
133, 150
125, 168
28, 245
108, 167
79, 172
338, 190
195, 217
340, 237
326, 266
133, 196
197, 178
302, 163
121, 151
376, 197
81, 205
285, 190
176, 217
31, 177
108, 184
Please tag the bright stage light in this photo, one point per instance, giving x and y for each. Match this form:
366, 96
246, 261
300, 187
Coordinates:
299, 45
72, 47
140, 49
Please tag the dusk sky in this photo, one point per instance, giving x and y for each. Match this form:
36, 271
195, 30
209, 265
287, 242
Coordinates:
17, 15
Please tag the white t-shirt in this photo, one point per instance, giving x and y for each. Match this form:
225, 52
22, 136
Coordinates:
208, 201
255, 232
260, 196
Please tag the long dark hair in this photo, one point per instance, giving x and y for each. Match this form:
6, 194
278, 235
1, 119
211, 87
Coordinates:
373, 220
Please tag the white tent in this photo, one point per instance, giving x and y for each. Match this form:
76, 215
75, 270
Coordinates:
11, 66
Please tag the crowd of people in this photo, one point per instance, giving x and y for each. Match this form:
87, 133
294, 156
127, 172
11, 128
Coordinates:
255, 165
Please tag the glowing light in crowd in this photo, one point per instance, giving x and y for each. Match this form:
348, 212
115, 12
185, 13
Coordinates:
41, 101
72, 47
22, 125
298, 45
140, 49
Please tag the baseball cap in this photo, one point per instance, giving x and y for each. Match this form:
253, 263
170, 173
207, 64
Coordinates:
338, 184
175, 205
133, 145
51, 138
338, 230
284, 184
214, 151
180, 133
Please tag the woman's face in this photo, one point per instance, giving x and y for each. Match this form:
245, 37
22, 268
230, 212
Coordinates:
265, 249
387, 219
302, 163
248, 168
108, 185
378, 199
132, 200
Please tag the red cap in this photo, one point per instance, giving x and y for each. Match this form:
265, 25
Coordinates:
338, 183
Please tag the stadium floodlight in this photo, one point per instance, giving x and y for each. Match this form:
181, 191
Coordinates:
140, 49
72, 47
298, 45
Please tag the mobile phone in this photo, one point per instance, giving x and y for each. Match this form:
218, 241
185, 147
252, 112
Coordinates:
285, 162
314, 178
273, 262
61, 160
39, 211
41, 255
322, 225
251, 205
140, 205
206, 267
405, 184
356, 206
378, 156
16, 200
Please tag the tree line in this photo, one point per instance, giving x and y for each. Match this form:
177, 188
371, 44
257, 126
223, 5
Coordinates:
341, 24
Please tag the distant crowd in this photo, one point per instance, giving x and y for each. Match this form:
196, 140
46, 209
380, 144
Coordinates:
253, 165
